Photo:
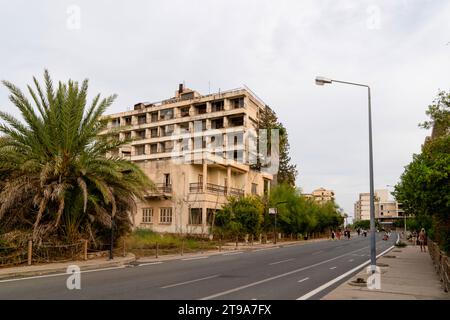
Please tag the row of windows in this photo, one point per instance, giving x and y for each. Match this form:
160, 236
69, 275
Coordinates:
168, 114
165, 215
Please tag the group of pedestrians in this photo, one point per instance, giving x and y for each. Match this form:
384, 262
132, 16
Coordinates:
421, 238
361, 232
337, 234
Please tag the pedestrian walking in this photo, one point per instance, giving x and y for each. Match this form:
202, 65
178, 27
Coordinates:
348, 234
358, 231
422, 240
332, 235
414, 237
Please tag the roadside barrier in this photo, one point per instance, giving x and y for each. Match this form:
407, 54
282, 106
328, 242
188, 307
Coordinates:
441, 263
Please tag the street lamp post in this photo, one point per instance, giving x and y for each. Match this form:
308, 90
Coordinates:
321, 81
275, 212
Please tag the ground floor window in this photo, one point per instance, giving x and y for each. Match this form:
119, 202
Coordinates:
165, 215
210, 216
147, 215
195, 216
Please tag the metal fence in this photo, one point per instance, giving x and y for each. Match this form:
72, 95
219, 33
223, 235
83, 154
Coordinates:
43, 253
441, 263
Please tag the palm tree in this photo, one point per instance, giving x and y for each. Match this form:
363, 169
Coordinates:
59, 179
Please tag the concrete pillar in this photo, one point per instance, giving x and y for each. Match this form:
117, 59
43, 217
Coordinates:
228, 179
208, 107
226, 104
205, 174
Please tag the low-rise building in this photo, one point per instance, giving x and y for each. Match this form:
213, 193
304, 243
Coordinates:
321, 195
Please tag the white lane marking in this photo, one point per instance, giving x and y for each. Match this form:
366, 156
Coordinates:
351, 260
278, 276
149, 264
254, 299
195, 258
307, 278
232, 253
342, 276
332, 268
60, 274
190, 281
273, 263
317, 252
264, 249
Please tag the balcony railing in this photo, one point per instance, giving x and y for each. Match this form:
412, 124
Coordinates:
161, 188
236, 192
215, 189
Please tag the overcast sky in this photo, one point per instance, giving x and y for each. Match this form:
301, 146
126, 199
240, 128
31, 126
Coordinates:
141, 50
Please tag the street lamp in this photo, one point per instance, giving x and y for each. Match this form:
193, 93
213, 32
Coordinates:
321, 81
275, 212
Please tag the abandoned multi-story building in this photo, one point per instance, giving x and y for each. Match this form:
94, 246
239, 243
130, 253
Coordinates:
197, 150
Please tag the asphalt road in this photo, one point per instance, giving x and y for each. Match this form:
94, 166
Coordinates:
291, 272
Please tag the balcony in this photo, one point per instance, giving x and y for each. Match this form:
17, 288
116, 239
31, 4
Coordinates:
160, 190
215, 189
236, 192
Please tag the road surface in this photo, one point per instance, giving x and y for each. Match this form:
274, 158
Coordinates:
307, 271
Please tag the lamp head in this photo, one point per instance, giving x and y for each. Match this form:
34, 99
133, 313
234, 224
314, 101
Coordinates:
320, 81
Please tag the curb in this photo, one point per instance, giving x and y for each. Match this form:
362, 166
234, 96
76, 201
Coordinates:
225, 250
63, 268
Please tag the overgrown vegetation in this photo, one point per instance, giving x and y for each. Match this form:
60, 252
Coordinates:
56, 181
143, 243
296, 215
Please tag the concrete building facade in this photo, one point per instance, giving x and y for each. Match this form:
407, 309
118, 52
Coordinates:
198, 151
386, 210
321, 195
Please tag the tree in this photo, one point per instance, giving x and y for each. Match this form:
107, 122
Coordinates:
240, 216
424, 187
58, 182
287, 171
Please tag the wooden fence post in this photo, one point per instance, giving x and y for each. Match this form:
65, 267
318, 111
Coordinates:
30, 252
85, 250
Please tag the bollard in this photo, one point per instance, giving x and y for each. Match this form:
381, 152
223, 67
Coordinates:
182, 247
85, 249
157, 249
30, 251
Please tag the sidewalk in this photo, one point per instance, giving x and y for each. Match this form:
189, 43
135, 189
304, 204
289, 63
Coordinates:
408, 276
61, 267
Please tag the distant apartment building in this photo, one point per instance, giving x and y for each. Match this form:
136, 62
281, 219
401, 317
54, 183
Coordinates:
197, 149
386, 210
320, 195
